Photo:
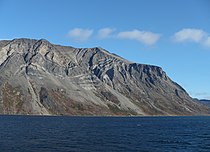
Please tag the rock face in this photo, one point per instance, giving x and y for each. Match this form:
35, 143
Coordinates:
40, 78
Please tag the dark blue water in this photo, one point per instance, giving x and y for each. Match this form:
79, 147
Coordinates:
104, 134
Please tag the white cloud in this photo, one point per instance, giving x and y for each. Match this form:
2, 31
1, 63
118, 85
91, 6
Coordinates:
145, 37
79, 34
105, 33
207, 42
190, 34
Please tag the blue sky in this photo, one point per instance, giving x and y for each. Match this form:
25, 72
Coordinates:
172, 34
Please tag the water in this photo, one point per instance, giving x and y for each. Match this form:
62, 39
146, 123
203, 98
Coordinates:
104, 134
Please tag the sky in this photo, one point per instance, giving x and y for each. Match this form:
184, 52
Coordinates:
174, 35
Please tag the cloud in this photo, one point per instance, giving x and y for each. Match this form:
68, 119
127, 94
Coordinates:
79, 34
188, 34
144, 37
105, 33
192, 35
207, 42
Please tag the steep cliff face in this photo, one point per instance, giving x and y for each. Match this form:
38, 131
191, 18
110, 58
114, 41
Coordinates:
38, 77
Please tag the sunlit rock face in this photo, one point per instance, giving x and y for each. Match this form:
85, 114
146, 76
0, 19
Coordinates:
40, 78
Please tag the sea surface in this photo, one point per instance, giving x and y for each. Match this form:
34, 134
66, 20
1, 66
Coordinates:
104, 134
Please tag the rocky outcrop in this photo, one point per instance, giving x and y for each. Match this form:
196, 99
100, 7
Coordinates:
40, 78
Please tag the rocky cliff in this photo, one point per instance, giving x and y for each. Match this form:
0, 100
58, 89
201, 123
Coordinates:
41, 78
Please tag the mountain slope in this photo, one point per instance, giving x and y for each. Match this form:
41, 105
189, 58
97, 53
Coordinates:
38, 77
204, 101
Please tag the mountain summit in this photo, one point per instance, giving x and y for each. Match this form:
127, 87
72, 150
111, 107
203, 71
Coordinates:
41, 78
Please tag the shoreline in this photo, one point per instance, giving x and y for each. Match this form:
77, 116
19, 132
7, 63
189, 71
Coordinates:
102, 116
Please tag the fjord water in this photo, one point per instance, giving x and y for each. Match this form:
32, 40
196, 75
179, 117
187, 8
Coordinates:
104, 134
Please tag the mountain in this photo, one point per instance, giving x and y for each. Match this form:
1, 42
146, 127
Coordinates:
205, 102
41, 78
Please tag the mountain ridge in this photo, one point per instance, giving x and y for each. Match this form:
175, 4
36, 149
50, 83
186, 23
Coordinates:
204, 101
49, 79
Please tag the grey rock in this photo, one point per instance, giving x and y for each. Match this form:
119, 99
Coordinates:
41, 78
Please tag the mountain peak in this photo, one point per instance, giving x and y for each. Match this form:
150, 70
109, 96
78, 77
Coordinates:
28, 41
38, 77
